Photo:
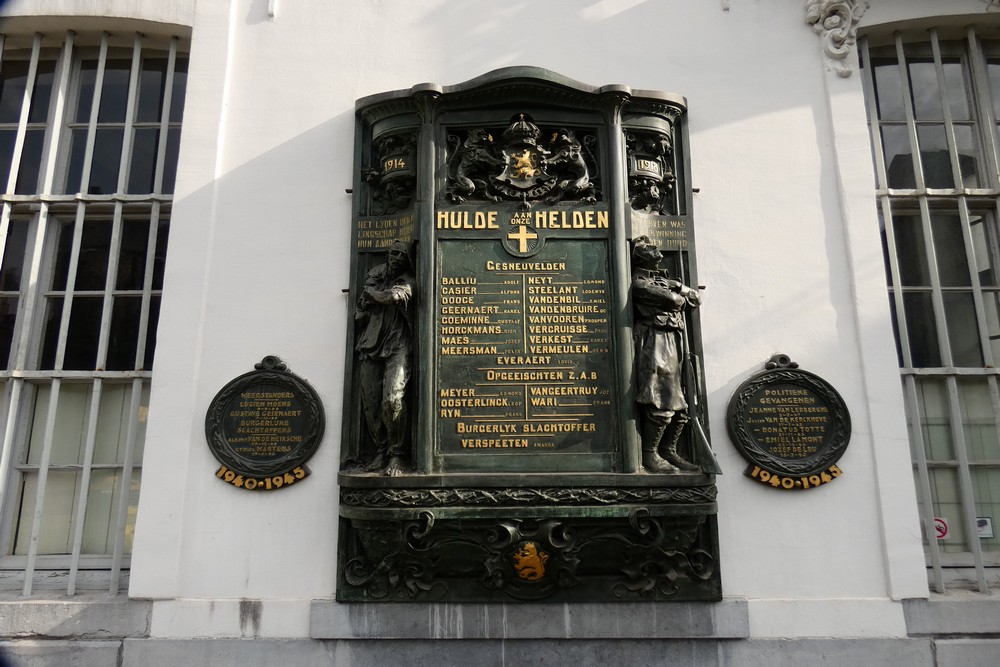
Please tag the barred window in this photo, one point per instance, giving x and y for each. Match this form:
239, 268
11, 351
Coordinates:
933, 102
89, 134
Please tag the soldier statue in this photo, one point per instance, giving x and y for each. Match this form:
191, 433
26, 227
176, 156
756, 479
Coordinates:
385, 351
659, 304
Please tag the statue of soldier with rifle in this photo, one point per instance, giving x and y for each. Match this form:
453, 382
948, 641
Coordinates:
659, 304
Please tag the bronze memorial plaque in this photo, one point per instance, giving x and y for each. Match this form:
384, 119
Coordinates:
791, 425
523, 354
524, 411
263, 427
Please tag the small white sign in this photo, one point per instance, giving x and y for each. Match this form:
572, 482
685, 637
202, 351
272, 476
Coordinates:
984, 526
941, 528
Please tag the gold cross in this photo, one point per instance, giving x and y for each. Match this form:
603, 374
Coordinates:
522, 236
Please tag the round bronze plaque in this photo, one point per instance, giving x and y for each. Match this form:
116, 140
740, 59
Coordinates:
265, 423
789, 422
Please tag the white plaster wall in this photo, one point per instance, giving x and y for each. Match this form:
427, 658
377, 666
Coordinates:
44, 15
259, 254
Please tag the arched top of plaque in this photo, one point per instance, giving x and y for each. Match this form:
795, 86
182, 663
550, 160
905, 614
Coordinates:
266, 422
514, 85
788, 421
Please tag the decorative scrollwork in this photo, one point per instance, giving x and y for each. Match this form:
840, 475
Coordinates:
525, 496
836, 21
639, 557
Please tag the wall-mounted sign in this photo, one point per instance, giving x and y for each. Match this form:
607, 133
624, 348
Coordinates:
792, 426
263, 426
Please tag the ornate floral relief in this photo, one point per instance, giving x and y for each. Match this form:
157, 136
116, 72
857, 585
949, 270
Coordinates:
836, 21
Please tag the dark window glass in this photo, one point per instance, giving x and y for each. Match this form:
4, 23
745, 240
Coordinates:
74, 170
31, 159
911, 251
924, 90
124, 333
143, 167
949, 247
95, 245
13, 81
132, 256
922, 330
935, 157
13, 256
85, 94
170, 164
42, 93
84, 334
898, 157
160, 258
107, 156
50, 332
963, 333
889, 90
8, 318
178, 91
154, 318
114, 93
152, 81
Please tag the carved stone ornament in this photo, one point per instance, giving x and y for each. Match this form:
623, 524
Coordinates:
836, 21
521, 164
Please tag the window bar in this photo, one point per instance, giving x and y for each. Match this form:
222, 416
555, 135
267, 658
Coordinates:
924, 481
126, 484
168, 89
22, 129
81, 504
937, 298
977, 288
98, 386
949, 126
965, 484
896, 292
984, 105
154, 216
116, 234
43, 474
56, 114
911, 122
958, 431
22, 123
873, 123
88, 154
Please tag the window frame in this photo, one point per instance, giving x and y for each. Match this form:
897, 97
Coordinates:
923, 202
45, 211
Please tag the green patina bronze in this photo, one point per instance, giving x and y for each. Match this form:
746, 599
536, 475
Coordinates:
520, 472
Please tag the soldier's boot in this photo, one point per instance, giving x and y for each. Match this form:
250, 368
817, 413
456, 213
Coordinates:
652, 433
673, 437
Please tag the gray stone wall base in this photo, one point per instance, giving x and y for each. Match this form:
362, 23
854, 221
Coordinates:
52, 652
728, 619
950, 616
552, 653
968, 652
82, 617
